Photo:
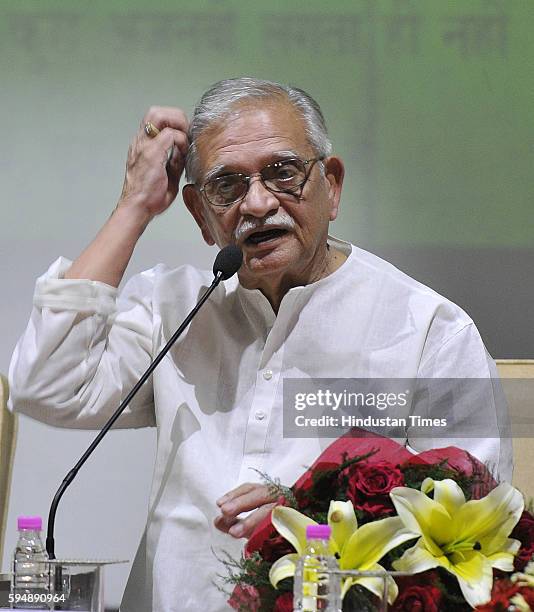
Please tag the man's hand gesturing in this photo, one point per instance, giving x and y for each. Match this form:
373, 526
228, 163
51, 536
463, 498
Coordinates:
244, 498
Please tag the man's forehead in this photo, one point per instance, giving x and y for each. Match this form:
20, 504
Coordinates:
253, 134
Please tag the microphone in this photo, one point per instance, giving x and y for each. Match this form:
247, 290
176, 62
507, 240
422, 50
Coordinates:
227, 263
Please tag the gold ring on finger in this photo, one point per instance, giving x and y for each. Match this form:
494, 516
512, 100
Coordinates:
151, 130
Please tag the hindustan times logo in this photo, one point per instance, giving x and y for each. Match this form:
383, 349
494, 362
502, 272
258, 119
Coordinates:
350, 399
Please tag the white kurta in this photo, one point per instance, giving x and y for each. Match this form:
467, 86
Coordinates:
216, 398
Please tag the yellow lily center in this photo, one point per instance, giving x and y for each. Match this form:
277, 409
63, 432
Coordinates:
455, 546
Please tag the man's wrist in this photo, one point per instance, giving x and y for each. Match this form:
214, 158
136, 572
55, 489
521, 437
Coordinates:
130, 211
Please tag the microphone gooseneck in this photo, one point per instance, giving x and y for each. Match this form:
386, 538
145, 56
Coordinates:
227, 263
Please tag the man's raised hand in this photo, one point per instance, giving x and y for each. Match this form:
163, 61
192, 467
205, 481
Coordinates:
152, 178
150, 186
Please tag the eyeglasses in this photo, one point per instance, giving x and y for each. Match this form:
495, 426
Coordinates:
288, 176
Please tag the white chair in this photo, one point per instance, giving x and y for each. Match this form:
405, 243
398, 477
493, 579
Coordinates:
8, 437
520, 399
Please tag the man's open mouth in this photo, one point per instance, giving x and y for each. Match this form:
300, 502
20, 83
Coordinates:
265, 235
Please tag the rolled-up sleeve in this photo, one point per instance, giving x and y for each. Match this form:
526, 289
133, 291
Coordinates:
83, 350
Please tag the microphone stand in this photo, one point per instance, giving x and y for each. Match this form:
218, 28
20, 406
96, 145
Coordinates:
50, 545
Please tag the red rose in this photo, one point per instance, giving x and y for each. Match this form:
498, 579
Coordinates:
524, 531
369, 486
245, 597
376, 507
376, 479
418, 599
418, 593
284, 603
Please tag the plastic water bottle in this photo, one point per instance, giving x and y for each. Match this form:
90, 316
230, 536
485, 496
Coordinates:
30, 585
315, 588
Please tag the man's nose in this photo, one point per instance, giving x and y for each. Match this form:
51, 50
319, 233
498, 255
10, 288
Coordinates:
259, 201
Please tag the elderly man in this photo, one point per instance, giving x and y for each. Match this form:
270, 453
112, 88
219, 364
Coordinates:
305, 305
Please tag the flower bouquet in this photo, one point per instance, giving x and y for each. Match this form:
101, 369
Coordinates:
439, 517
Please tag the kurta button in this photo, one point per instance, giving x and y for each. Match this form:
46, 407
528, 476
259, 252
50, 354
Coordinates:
268, 374
260, 415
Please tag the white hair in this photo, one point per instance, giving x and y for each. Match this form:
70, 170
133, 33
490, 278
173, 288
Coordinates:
222, 98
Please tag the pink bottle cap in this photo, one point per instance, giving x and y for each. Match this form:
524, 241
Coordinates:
318, 532
30, 522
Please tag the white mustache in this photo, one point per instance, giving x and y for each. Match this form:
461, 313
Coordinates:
280, 219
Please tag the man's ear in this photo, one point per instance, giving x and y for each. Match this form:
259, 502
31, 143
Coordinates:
193, 201
334, 171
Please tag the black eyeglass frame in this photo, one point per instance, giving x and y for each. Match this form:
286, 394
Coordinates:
246, 179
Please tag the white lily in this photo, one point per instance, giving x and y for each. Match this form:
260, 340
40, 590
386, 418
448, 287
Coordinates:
468, 539
358, 548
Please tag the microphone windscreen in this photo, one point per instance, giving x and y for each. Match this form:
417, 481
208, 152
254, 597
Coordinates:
228, 261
